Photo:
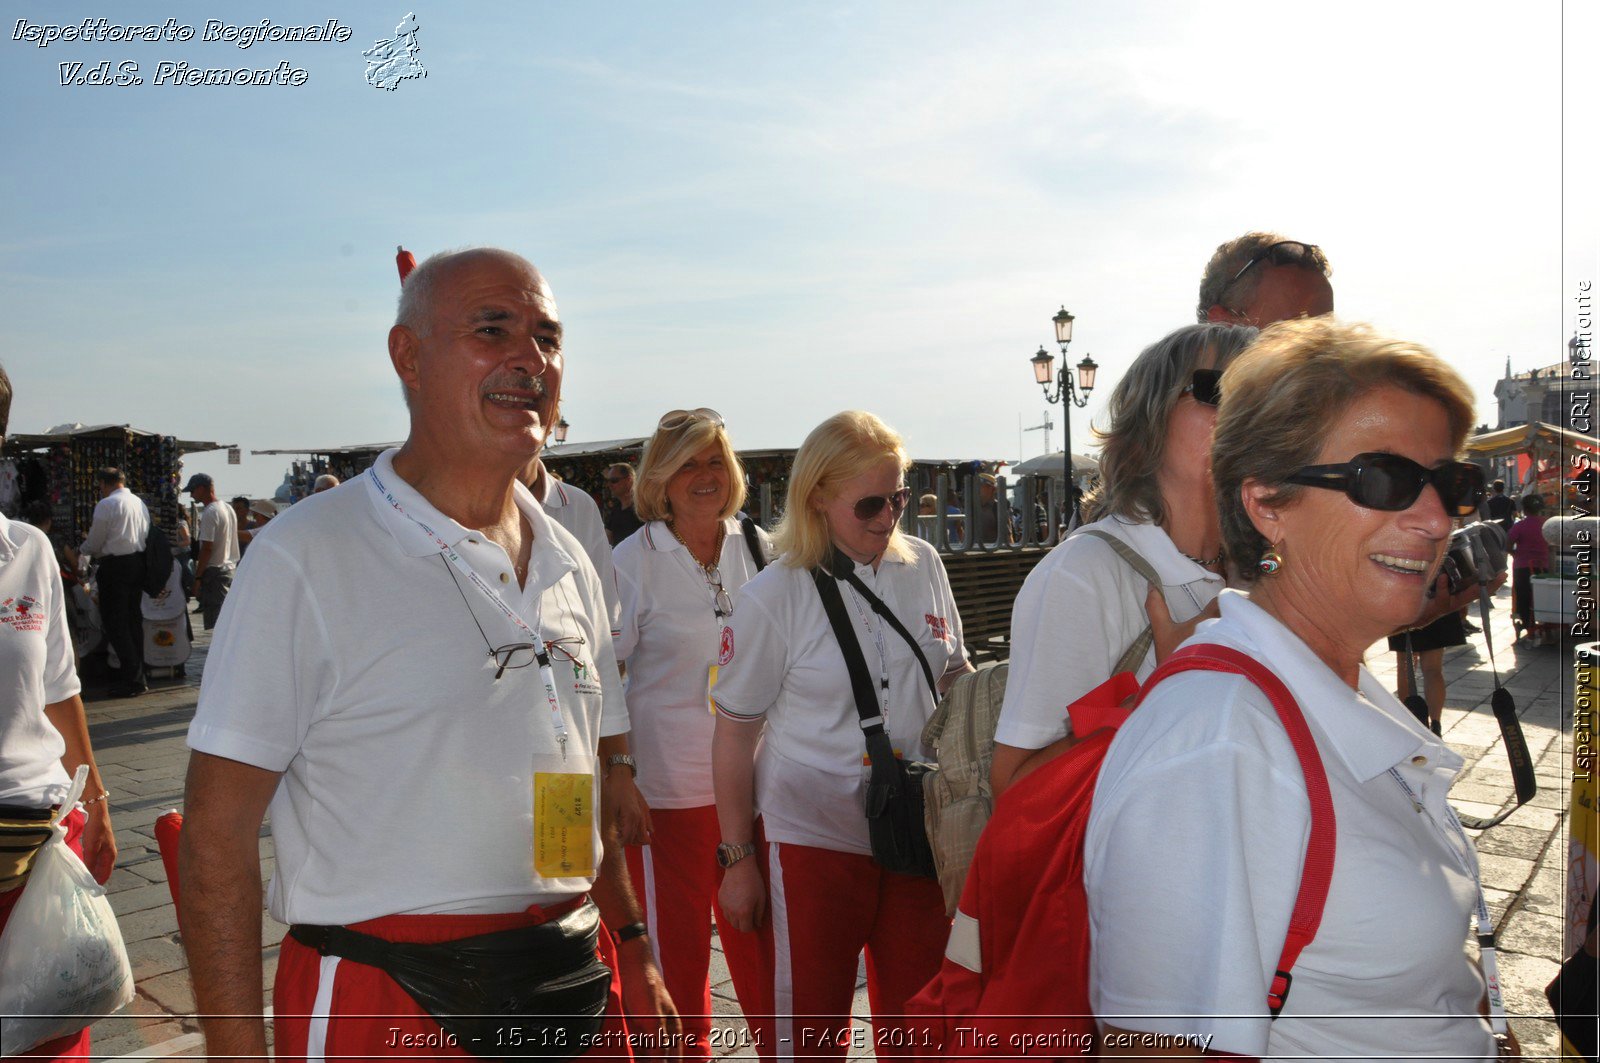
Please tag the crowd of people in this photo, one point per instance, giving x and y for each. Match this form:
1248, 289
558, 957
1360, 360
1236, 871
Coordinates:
521, 759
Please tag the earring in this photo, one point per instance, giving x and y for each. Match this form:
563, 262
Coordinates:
1270, 562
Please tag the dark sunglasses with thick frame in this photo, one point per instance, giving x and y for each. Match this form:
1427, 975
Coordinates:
870, 506
1306, 256
1205, 386
1391, 483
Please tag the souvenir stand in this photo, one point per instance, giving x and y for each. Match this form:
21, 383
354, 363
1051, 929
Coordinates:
59, 467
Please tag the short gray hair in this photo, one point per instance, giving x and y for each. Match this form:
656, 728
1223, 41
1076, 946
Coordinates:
1231, 257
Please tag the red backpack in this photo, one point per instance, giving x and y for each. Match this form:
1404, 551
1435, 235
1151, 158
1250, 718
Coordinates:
1015, 978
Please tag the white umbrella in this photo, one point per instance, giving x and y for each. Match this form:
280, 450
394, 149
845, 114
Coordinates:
1054, 464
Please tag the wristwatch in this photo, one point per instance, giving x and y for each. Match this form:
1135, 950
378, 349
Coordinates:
729, 854
622, 758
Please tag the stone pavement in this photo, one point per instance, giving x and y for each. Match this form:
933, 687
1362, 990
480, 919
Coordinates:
140, 746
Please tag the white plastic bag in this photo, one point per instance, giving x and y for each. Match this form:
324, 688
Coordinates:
62, 961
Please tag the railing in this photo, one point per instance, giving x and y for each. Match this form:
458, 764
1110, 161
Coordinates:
1038, 525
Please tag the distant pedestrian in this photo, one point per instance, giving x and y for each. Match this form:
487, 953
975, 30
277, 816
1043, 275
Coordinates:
218, 536
326, 482
621, 520
1500, 507
1530, 556
117, 538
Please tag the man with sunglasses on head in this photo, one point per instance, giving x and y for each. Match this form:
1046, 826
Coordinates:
621, 519
417, 686
1260, 278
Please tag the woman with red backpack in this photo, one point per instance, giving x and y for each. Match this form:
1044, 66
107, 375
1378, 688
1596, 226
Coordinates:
1337, 479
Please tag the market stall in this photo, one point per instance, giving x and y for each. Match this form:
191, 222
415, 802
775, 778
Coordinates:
58, 467
1557, 462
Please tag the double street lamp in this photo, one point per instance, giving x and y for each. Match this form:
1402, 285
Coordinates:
1068, 392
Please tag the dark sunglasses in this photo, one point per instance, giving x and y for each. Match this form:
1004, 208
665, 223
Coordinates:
1391, 483
870, 506
1205, 386
1282, 253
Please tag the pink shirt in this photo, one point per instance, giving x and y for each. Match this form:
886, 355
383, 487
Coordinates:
1528, 547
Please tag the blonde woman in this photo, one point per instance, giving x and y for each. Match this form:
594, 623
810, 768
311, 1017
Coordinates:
678, 579
784, 687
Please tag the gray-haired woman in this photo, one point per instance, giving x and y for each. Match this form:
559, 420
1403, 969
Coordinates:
1084, 607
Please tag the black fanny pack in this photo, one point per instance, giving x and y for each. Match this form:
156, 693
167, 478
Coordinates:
531, 991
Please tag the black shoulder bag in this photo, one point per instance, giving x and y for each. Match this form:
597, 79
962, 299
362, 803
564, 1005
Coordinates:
496, 993
753, 541
896, 817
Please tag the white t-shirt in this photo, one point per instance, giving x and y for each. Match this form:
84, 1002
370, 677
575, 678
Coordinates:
349, 661
1194, 851
1078, 612
785, 666
575, 511
121, 524
670, 638
36, 668
219, 526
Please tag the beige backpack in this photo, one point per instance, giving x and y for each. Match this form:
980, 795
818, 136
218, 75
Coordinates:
958, 799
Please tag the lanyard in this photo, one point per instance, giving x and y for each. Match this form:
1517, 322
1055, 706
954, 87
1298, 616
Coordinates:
546, 673
1486, 940
877, 641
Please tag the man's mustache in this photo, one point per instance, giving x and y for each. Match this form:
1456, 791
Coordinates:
517, 382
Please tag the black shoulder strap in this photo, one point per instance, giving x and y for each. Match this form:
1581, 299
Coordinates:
753, 541
893, 621
879, 749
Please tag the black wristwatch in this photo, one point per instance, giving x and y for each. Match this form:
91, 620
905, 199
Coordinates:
729, 854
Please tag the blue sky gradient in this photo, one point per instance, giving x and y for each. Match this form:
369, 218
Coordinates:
776, 211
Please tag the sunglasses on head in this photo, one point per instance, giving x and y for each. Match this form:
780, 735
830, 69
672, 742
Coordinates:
1392, 483
1282, 253
672, 420
870, 506
1205, 386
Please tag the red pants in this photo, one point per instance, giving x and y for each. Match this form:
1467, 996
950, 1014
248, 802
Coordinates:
677, 878
827, 907
73, 1046
326, 1008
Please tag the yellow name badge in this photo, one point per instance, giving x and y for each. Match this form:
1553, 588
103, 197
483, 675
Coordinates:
711, 686
563, 824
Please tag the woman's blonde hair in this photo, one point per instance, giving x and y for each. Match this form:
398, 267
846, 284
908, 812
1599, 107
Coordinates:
1134, 445
668, 451
839, 449
1282, 396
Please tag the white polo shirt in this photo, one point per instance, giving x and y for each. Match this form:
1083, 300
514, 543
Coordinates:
785, 667
1194, 851
670, 638
121, 524
575, 511
347, 659
36, 668
1078, 612
219, 526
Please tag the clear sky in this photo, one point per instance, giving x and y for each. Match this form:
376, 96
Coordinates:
779, 211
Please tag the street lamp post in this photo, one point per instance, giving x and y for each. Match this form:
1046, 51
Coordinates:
1068, 392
